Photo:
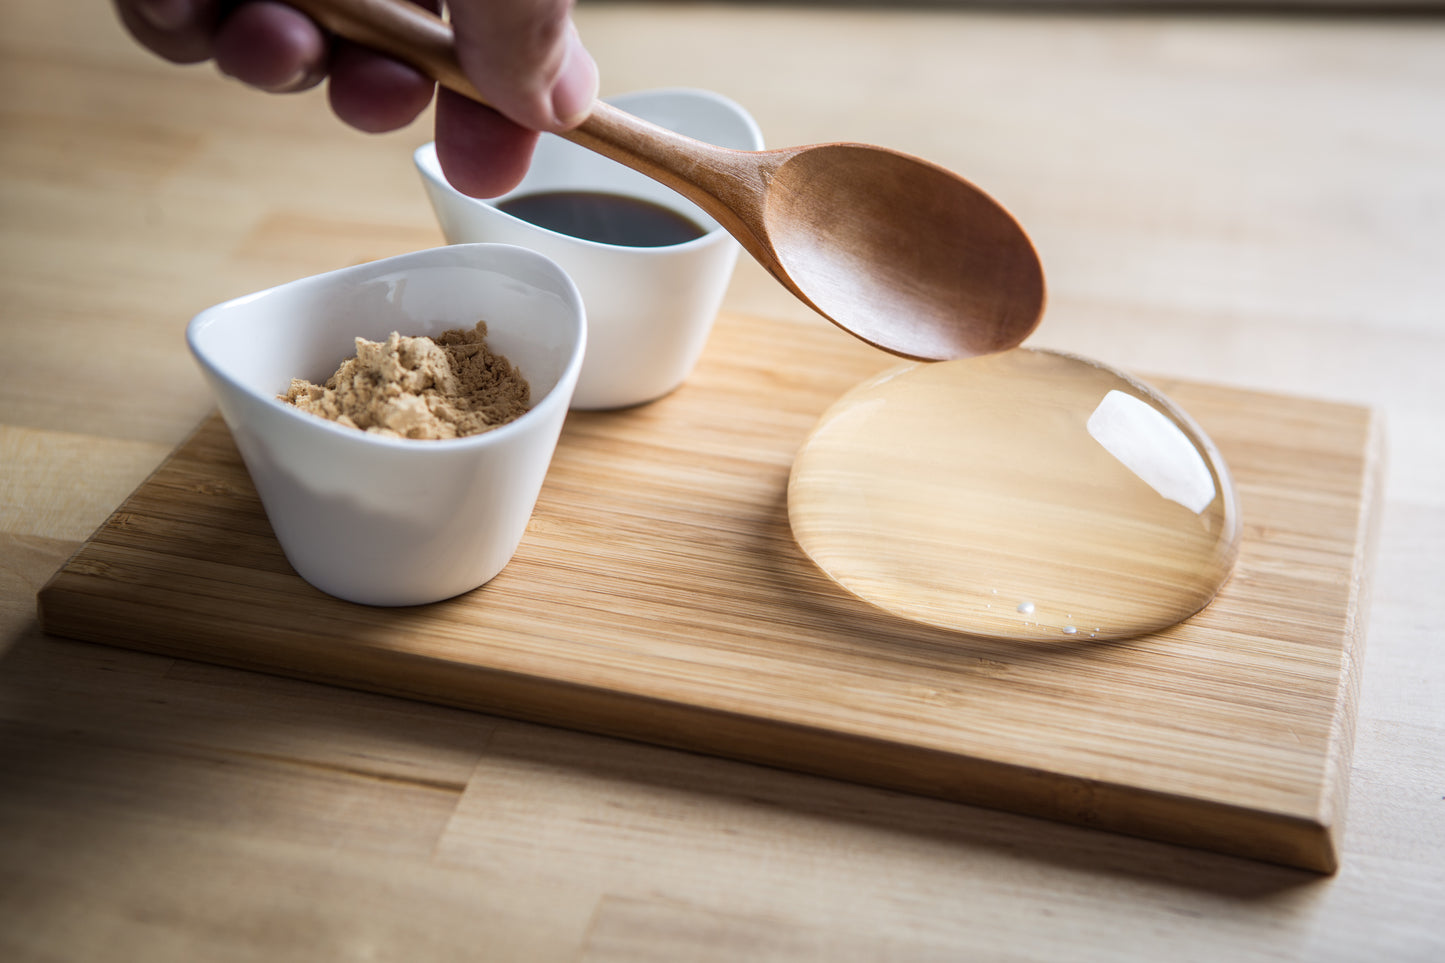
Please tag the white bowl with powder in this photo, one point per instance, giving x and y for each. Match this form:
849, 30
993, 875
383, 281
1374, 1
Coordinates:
388, 520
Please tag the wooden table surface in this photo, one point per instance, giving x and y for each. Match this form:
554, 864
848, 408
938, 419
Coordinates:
1251, 200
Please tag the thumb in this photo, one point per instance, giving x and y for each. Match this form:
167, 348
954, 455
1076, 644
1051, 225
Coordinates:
526, 59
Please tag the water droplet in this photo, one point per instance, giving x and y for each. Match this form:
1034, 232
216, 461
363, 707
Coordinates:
1029, 473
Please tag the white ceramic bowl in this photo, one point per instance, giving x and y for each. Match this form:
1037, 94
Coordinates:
649, 309
387, 521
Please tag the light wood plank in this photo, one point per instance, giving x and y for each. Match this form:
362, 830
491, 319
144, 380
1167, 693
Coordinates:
166, 892
64, 486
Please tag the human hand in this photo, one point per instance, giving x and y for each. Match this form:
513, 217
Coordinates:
523, 56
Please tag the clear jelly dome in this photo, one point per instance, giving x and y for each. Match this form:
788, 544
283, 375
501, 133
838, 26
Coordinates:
1022, 495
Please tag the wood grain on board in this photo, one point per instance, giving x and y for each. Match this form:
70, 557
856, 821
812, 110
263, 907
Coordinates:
658, 595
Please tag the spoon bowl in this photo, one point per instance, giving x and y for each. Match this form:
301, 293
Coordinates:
904, 254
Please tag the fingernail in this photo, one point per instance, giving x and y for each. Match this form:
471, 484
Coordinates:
165, 14
576, 86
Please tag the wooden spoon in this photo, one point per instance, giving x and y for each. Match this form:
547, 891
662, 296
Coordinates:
901, 253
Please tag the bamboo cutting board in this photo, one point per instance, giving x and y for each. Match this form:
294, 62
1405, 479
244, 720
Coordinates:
658, 595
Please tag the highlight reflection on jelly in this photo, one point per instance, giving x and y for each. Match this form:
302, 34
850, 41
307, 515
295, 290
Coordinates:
1024, 495
1154, 448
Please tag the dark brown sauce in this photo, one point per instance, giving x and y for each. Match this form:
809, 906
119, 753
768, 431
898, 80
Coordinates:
604, 218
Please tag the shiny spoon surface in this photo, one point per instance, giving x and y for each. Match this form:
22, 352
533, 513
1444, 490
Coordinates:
901, 253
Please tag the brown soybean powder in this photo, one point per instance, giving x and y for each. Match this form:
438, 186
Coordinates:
418, 387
